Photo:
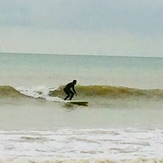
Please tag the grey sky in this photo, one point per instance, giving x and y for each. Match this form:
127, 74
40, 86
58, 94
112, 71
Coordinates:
108, 27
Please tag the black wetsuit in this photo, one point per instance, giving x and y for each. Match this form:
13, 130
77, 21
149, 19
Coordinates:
69, 90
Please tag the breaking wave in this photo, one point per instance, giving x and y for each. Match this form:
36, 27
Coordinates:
92, 91
96, 95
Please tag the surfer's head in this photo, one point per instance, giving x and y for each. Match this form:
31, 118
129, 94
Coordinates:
74, 81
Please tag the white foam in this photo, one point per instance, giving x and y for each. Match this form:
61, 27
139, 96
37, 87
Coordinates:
39, 92
83, 144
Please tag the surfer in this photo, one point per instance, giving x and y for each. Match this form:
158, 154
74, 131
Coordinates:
70, 89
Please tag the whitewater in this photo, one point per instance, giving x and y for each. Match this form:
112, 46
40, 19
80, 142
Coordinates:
122, 123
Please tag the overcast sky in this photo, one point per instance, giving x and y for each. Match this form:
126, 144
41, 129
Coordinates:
103, 27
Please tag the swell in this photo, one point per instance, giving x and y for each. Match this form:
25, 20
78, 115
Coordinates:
106, 91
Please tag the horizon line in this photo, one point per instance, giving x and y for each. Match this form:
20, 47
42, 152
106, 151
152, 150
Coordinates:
68, 54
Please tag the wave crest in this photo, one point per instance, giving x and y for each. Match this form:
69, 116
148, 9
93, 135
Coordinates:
8, 91
110, 92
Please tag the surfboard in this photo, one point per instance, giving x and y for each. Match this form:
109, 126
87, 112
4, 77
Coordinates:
82, 103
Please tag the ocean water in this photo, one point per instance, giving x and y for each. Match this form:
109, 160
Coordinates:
123, 121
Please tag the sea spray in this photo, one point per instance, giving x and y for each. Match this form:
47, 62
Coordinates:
38, 92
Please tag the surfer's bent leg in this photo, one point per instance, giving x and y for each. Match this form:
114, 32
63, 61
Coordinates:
68, 94
71, 95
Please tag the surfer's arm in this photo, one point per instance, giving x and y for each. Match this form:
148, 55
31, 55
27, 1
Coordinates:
73, 90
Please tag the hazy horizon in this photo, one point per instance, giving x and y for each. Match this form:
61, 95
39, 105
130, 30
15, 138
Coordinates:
98, 55
91, 27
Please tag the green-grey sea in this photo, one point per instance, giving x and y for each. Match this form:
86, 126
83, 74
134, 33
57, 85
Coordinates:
123, 121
